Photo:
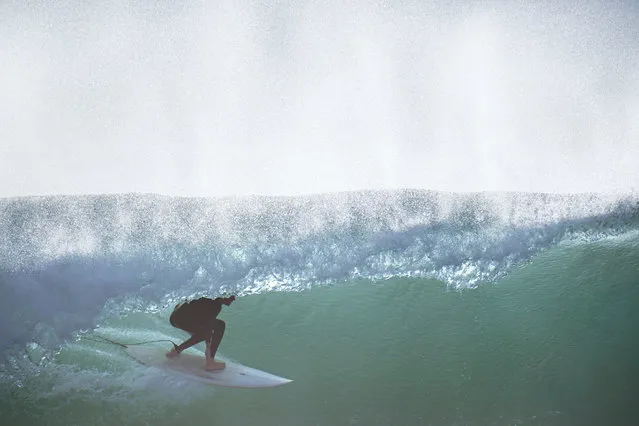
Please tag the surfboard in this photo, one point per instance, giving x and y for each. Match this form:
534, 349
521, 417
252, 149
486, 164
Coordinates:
190, 364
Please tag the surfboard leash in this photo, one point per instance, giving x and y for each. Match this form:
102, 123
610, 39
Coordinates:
126, 345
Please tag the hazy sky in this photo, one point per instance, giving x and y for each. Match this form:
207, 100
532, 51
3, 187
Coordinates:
288, 97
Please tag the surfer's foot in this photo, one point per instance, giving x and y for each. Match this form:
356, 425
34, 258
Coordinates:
214, 365
172, 353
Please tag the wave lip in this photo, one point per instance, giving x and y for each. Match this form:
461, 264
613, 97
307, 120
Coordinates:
43, 229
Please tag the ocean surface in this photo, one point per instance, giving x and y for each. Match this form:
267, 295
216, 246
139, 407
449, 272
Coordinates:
385, 308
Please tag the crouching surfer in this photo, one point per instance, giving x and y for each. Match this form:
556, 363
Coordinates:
199, 318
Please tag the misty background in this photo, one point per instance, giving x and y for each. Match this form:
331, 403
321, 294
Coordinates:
293, 97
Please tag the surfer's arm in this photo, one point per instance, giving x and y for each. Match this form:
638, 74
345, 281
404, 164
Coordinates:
224, 300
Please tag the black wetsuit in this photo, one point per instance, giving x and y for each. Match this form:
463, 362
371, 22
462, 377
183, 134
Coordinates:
196, 315
199, 318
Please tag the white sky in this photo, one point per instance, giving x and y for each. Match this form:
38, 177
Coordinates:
290, 97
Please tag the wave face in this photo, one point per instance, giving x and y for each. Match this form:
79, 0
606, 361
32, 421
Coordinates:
64, 258
70, 264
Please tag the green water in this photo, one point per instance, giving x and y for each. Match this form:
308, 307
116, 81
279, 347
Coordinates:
554, 343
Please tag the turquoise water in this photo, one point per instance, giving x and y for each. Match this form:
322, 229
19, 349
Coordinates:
524, 319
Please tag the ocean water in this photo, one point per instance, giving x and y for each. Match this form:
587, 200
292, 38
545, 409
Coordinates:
385, 308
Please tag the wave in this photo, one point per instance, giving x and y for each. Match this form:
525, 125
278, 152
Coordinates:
68, 261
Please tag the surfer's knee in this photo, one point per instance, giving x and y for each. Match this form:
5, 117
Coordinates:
219, 326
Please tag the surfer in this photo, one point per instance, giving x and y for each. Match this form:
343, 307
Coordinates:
199, 318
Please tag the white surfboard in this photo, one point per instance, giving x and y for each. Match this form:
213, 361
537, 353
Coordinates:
190, 363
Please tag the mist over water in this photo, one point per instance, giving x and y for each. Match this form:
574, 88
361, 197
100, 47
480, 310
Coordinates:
199, 98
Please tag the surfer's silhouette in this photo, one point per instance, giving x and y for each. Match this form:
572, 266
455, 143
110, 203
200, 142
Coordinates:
199, 318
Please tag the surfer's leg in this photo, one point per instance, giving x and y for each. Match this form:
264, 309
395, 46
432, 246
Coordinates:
194, 340
212, 343
186, 318
216, 337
